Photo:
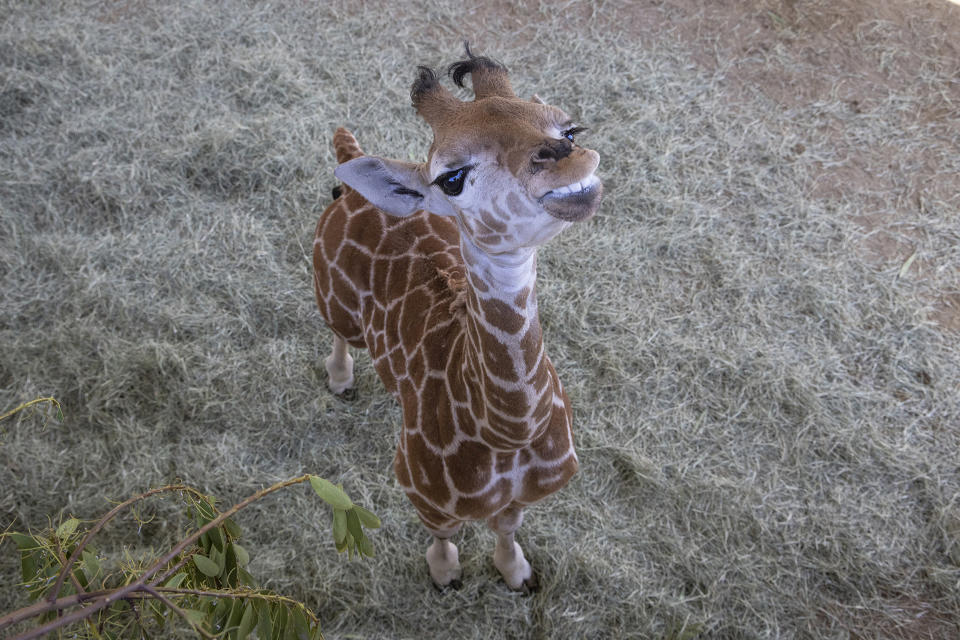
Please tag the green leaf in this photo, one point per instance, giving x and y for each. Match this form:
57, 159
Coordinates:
330, 493
176, 580
210, 604
218, 537
353, 525
80, 577
243, 558
232, 528
247, 622
91, 565
206, 509
339, 526
368, 518
23, 541
366, 547
347, 543
290, 631
221, 612
279, 621
246, 577
219, 559
157, 609
28, 566
264, 623
66, 529
236, 615
195, 617
206, 566
230, 568
300, 625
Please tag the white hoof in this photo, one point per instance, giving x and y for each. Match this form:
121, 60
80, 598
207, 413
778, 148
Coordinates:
516, 571
444, 562
340, 374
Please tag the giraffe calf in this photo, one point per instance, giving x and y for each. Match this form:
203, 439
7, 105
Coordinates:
432, 267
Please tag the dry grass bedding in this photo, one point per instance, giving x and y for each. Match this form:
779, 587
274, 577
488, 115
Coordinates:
766, 419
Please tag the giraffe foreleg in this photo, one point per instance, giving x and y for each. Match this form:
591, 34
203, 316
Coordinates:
508, 556
444, 562
339, 366
443, 559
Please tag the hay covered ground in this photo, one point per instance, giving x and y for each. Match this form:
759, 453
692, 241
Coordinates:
756, 331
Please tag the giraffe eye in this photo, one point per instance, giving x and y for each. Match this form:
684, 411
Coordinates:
451, 182
569, 134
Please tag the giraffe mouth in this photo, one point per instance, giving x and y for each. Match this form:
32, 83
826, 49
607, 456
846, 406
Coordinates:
575, 201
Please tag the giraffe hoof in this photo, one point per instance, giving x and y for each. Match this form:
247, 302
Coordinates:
529, 586
454, 584
349, 394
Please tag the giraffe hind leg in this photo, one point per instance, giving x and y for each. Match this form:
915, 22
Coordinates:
339, 365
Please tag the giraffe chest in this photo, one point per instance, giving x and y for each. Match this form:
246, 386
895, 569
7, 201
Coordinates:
442, 460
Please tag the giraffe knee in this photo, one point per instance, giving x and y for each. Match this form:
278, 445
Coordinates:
507, 521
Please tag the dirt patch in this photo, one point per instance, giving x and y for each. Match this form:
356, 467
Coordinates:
846, 66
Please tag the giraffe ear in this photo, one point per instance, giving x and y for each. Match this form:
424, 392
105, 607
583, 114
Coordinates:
537, 99
398, 188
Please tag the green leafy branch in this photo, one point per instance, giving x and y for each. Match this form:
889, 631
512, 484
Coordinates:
203, 579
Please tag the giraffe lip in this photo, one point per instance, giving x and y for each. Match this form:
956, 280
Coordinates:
577, 188
575, 201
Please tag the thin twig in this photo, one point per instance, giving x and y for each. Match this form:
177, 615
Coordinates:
172, 570
26, 405
176, 609
122, 592
58, 585
63, 559
39, 608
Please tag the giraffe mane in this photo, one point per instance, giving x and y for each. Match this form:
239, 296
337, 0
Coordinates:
456, 282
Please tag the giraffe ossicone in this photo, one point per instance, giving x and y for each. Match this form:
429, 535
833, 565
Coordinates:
432, 267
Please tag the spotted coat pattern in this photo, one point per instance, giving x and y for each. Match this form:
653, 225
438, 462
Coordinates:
486, 423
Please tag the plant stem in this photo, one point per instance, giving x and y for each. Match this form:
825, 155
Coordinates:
26, 405
140, 584
65, 564
65, 570
42, 607
173, 606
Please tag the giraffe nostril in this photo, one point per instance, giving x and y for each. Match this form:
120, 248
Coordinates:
553, 150
546, 154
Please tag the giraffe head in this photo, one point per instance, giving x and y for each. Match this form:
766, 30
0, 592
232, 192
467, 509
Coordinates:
508, 169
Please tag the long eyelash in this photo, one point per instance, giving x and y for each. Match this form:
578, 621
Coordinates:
574, 131
444, 176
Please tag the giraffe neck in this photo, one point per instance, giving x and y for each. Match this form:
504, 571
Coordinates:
504, 360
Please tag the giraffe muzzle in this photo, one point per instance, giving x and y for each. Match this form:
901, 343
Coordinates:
574, 202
